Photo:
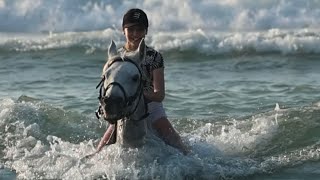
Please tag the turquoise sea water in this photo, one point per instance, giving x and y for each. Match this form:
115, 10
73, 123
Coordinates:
242, 89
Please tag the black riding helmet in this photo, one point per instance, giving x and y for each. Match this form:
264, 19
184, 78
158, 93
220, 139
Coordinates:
135, 17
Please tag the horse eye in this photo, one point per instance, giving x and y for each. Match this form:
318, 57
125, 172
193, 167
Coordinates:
135, 78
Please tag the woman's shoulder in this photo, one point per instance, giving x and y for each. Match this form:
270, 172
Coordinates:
152, 53
151, 50
154, 58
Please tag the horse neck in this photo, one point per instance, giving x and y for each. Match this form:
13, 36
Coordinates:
132, 131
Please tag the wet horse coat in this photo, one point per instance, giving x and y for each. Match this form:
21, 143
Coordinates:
121, 95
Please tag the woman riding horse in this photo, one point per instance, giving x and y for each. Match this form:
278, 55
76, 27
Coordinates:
135, 27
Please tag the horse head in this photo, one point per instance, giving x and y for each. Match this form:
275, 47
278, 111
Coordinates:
121, 94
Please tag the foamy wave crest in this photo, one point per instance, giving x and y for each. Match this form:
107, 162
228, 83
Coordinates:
45, 41
216, 43
304, 41
167, 15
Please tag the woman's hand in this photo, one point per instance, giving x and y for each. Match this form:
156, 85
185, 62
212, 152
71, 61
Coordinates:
90, 155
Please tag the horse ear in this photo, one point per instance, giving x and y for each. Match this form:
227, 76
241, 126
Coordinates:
112, 50
141, 51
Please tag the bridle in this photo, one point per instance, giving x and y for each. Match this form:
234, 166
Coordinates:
129, 100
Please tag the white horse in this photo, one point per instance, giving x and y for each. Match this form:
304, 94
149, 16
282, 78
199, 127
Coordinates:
121, 95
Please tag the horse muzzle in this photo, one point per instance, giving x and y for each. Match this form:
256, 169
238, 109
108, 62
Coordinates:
113, 107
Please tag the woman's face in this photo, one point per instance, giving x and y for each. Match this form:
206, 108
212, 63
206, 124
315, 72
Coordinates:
134, 35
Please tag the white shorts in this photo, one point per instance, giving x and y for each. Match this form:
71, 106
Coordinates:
156, 111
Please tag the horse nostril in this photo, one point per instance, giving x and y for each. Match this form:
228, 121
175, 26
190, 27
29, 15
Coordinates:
114, 100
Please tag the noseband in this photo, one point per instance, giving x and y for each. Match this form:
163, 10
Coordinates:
129, 100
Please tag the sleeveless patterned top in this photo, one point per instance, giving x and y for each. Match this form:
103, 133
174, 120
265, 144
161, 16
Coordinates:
153, 60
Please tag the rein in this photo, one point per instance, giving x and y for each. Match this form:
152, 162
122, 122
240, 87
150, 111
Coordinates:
128, 100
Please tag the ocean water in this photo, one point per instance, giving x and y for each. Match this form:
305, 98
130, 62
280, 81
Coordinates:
242, 89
